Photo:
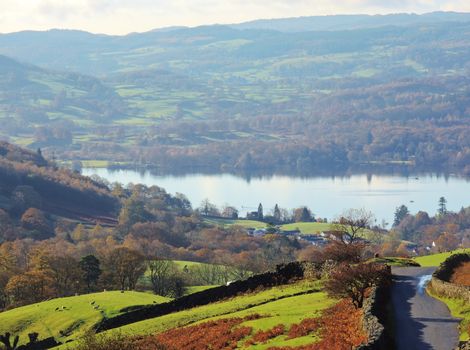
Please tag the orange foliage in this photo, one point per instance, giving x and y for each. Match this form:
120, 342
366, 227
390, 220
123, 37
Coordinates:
305, 327
461, 275
340, 328
264, 336
214, 335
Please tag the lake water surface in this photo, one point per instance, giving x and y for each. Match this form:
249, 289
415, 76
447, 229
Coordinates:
325, 196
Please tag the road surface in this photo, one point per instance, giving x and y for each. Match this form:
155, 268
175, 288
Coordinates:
421, 322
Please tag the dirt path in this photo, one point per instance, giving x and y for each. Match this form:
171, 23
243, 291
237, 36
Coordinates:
421, 321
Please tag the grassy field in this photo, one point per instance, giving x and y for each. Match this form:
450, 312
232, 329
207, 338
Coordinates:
72, 316
307, 227
459, 309
243, 223
394, 261
304, 227
285, 304
437, 259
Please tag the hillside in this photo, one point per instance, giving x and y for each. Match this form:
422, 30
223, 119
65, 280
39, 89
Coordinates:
348, 22
63, 318
42, 107
28, 181
390, 90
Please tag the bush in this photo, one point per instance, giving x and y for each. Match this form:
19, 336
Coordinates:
114, 341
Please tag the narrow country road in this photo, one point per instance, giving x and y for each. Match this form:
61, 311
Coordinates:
422, 322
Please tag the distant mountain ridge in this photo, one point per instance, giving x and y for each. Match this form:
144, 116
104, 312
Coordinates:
350, 22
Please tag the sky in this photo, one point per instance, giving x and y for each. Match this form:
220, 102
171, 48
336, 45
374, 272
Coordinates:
125, 16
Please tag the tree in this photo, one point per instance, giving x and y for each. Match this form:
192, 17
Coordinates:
230, 212
208, 209
35, 220
400, 213
447, 241
349, 228
442, 206
165, 278
65, 274
340, 252
124, 267
28, 288
79, 233
302, 214
90, 266
352, 281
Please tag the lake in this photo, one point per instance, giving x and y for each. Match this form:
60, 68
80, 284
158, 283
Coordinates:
327, 197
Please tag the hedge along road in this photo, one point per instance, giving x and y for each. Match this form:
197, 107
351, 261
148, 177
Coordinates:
421, 322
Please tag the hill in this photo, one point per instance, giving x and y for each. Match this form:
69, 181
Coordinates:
52, 104
299, 99
63, 318
348, 22
28, 181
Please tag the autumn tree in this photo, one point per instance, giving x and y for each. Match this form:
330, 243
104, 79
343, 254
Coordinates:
65, 274
447, 241
340, 252
35, 221
124, 267
29, 287
302, 214
352, 281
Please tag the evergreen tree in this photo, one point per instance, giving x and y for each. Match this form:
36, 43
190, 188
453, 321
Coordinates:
400, 213
442, 206
90, 265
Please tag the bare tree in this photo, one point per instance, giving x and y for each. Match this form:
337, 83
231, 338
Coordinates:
351, 225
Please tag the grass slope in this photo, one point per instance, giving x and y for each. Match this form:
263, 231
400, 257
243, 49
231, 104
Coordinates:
459, 309
78, 317
285, 304
437, 259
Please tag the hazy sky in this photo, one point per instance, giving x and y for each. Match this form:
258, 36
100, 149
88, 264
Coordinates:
124, 16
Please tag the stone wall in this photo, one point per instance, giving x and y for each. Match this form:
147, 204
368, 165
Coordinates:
441, 286
375, 317
449, 290
282, 275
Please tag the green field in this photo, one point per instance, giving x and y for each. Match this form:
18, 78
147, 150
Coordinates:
304, 227
459, 309
78, 315
307, 227
437, 259
284, 304
244, 223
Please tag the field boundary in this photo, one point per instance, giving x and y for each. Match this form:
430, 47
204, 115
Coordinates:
282, 275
